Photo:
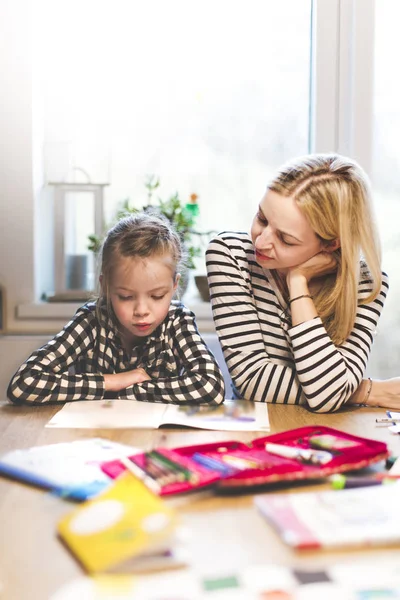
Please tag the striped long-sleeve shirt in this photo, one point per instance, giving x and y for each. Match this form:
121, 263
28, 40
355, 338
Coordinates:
71, 365
270, 360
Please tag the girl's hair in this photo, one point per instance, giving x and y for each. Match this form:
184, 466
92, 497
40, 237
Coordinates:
139, 235
333, 193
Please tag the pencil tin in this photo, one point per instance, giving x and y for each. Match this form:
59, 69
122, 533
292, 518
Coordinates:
302, 454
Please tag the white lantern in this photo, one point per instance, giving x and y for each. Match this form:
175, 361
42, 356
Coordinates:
78, 213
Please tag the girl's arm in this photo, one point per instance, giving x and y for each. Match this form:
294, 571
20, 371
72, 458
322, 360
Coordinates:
319, 374
199, 379
44, 376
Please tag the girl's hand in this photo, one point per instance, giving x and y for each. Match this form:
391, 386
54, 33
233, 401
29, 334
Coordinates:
323, 263
120, 381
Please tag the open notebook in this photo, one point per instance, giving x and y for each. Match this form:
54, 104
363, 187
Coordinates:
233, 415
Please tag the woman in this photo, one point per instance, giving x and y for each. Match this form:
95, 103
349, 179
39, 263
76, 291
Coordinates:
297, 302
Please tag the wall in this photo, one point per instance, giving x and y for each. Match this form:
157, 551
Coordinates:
16, 183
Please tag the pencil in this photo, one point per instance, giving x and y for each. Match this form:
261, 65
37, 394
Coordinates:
174, 466
140, 474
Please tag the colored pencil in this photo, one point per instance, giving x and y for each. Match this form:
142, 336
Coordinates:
138, 472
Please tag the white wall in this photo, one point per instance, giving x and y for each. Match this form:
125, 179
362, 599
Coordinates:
13, 351
16, 239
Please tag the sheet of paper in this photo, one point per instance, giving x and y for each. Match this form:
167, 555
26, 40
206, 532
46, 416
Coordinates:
112, 414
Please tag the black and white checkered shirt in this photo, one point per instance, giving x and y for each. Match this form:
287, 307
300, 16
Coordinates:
71, 365
270, 360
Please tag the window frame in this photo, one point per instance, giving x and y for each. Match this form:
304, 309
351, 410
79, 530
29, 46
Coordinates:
341, 112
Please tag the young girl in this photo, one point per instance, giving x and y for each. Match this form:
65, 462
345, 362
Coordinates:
134, 342
295, 305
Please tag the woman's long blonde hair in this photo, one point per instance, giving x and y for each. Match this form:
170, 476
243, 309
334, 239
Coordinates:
333, 193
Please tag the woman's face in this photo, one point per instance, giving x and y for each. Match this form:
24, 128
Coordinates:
281, 234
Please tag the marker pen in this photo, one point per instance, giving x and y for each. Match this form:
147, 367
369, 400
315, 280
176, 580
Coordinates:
342, 482
306, 455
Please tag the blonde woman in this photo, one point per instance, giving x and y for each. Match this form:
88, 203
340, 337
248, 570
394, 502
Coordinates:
296, 303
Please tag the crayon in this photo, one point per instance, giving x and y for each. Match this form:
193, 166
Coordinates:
212, 463
138, 472
239, 463
164, 474
173, 466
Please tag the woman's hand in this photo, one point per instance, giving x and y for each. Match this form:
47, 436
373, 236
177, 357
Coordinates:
383, 394
323, 263
120, 381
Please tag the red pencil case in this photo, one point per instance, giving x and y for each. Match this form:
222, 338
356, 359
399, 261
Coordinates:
234, 465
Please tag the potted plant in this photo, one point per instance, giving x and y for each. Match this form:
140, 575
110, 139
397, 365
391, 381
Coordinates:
181, 215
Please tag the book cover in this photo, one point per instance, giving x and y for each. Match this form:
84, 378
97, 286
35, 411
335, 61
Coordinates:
125, 527
366, 516
232, 415
70, 469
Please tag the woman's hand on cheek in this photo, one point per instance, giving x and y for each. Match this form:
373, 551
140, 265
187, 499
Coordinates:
323, 263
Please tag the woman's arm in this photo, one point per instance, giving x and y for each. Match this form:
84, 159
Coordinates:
44, 376
341, 368
196, 379
245, 309
331, 376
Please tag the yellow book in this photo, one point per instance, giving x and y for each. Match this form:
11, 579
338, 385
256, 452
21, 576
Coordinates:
127, 527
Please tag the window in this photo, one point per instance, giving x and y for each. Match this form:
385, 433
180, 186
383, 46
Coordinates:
210, 97
385, 173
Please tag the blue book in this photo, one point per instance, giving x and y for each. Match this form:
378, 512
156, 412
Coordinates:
69, 469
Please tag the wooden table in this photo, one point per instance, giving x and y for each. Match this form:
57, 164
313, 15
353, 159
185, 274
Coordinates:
227, 531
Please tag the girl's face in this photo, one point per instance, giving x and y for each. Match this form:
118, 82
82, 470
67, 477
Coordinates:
281, 234
141, 290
